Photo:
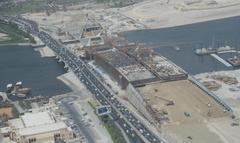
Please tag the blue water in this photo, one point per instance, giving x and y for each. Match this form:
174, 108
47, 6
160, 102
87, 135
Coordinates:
22, 63
187, 38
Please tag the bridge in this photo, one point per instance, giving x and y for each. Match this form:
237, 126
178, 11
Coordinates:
133, 127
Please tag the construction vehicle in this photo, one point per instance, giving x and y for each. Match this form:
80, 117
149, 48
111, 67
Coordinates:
169, 102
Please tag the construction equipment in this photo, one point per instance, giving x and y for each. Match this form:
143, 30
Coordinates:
169, 102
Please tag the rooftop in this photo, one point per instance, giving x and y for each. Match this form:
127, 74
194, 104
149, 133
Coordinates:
16, 123
36, 119
158, 64
126, 65
41, 128
36, 123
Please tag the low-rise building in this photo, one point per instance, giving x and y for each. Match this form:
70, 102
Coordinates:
123, 68
39, 126
92, 34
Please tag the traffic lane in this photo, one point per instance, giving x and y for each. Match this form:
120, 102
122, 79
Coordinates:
78, 121
132, 119
102, 102
142, 129
135, 139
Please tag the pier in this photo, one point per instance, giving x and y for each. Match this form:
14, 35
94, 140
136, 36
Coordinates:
221, 60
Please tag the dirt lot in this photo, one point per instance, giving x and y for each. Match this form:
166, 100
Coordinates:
191, 113
7, 111
160, 13
186, 97
230, 93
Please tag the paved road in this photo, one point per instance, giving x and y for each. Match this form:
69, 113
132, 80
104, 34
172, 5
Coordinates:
78, 120
131, 125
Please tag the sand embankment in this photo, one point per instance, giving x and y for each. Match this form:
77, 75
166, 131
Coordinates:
45, 52
157, 14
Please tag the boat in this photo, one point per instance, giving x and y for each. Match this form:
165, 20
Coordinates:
204, 51
24, 90
17, 90
235, 61
9, 88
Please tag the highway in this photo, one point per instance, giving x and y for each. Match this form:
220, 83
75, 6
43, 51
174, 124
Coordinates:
78, 121
134, 128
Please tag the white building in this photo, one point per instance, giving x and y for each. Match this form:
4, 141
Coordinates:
39, 127
92, 35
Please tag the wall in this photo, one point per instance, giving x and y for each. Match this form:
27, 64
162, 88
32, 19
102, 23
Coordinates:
137, 100
49, 136
112, 71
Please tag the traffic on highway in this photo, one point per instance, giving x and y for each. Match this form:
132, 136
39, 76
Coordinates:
133, 127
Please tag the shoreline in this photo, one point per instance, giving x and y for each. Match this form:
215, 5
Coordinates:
16, 44
182, 25
152, 18
45, 52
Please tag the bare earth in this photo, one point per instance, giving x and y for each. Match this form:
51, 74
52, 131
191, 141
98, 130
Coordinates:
7, 111
207, 123
45, 52
147, 14
158, 14
187, 98
231, 95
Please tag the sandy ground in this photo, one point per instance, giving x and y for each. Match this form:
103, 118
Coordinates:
200, 126
158, 14
45, 52
229, 93
7, 111
190, 99
72, 81
230, 133
147, 14
187, 98
59, 23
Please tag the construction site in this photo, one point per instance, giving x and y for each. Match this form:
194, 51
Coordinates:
161, 67
158, 89
123, 68
181, 105
138, 66
164, 93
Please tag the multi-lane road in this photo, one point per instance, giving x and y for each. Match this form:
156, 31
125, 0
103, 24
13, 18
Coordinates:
132, 126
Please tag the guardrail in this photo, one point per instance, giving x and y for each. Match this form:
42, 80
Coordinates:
216, 98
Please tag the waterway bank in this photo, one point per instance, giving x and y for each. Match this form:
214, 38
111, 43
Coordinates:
162, 13
179, 43
22, 63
